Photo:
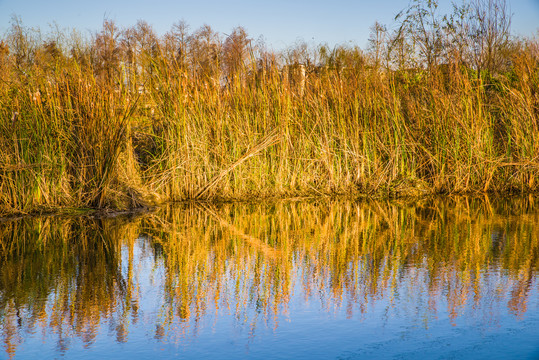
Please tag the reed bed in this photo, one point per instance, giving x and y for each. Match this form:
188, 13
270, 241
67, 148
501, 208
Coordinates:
126, 118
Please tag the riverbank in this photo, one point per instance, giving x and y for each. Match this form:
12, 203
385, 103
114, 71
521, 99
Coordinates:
125, 121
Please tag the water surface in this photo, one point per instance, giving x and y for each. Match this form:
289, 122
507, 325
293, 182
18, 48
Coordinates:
452, 278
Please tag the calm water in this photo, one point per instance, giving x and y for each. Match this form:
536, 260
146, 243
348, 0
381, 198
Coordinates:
313, 279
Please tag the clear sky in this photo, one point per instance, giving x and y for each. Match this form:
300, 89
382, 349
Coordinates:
281, 22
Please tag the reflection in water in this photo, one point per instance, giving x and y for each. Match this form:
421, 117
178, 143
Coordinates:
180, 271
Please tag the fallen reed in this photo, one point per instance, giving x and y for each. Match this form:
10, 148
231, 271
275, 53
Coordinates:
127, 118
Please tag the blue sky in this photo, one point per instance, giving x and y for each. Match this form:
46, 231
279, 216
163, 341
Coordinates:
281, 22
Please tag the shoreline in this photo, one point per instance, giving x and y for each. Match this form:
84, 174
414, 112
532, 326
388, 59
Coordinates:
105, 213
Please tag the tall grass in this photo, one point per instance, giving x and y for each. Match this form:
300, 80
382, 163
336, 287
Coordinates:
127, 118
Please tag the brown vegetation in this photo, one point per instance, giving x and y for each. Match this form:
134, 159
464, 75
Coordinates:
444, 104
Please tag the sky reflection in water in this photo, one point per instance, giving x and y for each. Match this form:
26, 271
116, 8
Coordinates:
309, 279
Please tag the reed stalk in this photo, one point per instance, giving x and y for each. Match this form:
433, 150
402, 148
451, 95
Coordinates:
128, 119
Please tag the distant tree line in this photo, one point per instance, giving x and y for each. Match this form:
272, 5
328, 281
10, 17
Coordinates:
475, 35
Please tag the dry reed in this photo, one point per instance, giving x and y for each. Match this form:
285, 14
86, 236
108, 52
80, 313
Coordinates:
127, 119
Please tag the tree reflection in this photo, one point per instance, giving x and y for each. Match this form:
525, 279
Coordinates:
61, 276
69, 277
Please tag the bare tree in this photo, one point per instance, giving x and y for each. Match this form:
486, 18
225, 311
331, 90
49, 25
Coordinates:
204, 51
107, 50
489, 24
457, 35
400, 51
298, 54
147, 40
180, 35
377, 42
235, 52
22, 43
421, 23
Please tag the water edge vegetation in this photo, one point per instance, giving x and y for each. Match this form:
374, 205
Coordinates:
126, 118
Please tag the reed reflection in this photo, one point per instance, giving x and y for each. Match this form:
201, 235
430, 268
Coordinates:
62, 277
74, 278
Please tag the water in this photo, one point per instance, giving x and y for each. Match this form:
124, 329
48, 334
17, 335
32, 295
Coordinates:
440, 279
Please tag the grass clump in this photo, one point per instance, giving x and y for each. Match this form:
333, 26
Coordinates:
128, 118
